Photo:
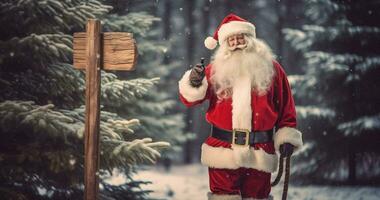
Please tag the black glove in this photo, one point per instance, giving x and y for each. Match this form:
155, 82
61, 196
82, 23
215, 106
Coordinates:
196, 75
286, 149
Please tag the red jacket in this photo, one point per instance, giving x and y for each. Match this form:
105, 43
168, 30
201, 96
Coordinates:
275, 108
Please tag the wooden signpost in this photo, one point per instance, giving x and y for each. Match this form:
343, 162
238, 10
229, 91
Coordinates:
94, 51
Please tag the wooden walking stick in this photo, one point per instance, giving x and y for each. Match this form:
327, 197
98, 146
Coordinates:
279, 175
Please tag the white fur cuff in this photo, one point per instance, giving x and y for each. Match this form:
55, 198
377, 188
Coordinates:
191, 93
235, 157
288, 135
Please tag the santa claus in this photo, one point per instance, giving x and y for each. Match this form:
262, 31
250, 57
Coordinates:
251, 112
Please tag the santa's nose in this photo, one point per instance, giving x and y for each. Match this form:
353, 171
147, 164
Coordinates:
236, 40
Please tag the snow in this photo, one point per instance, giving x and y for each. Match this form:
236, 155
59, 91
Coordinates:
306, 111
294, 79
297, 38
189, 182
365, 123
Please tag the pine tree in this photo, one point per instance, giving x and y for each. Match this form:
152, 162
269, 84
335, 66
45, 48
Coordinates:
156, 111
42, 97
339, 109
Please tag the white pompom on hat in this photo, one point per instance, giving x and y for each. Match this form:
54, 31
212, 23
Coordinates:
231, 24
210, 43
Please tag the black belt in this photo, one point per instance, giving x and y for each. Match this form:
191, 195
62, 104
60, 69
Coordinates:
242, 137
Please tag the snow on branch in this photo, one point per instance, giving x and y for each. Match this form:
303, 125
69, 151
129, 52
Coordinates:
129, 153
25, 115
368, 63
302, 40
58, 82
295, 79
313, 111
297, 38
50, 47
59, 14
302, 85
112, 126
331, 33
68, 126
362, 124
60, 123
138, 23
314, 7
331, 62
119, 92
161, 107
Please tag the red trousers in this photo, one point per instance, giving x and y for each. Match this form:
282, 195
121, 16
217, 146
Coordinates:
247, 182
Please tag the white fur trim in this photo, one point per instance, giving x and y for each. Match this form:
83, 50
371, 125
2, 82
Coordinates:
210, 43
191, 93
287, 135
235, 157
241, 104
235, 27
212, 196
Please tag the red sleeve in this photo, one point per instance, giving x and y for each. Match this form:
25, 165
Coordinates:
287, 111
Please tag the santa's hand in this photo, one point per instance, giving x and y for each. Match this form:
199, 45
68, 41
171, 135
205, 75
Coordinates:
286, 149
196, 75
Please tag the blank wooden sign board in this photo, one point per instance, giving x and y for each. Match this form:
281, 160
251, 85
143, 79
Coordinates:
94, 51
118, 51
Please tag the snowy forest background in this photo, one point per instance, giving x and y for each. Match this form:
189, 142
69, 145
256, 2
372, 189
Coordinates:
329, 48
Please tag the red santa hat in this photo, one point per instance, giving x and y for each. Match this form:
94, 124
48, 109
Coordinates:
231, 24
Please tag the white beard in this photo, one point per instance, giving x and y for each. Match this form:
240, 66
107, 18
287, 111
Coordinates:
253, 62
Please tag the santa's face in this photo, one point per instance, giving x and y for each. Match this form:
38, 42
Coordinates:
241, 56
236, 41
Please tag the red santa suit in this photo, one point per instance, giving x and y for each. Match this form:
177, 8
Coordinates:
245, 109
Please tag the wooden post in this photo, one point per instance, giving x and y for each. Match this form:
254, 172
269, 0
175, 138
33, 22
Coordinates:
94, 51
91, 147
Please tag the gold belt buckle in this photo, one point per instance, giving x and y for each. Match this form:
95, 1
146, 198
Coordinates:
235, 131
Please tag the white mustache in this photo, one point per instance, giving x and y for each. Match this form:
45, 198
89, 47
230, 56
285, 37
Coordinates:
240, 46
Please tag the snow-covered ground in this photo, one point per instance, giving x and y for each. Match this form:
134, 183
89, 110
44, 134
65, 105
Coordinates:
190, 182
